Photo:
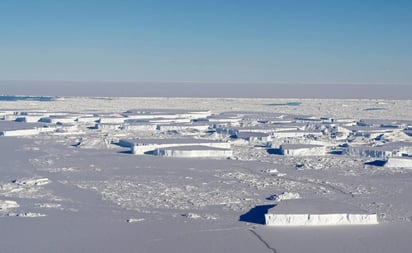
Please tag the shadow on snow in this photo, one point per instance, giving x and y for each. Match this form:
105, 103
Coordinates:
274, 151
379, 163
256, 214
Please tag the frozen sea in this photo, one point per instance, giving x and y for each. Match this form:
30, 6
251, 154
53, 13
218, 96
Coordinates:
57, 196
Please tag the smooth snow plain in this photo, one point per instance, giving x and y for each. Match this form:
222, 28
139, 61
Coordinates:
76, 190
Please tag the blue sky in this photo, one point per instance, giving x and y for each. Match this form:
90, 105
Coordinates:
280, 41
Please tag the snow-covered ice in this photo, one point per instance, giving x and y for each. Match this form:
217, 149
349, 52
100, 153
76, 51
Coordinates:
206, 176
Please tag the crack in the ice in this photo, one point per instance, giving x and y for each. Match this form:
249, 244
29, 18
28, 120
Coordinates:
263, 241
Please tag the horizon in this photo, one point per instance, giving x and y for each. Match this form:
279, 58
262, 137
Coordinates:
207, 90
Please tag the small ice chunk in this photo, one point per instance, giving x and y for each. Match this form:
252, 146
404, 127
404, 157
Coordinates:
133, 220
191, 215
26, 215
271, 171
285, 196
8, 204
32, 181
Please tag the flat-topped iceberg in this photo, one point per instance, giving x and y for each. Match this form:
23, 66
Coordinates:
317, 212
332, 219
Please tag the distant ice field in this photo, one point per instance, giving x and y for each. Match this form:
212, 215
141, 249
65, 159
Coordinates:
211, 90
348, 108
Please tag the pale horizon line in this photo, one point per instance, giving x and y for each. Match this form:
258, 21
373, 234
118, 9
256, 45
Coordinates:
202, 82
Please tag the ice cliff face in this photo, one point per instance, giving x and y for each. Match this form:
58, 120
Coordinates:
320, 219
